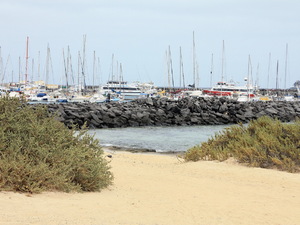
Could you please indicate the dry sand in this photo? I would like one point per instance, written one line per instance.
(154, 189)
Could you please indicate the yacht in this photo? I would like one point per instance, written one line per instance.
(122, 88)
(230, 90)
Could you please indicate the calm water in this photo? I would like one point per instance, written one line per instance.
(161, 139)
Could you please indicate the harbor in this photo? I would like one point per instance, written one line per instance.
(149, 112)
(39, 92)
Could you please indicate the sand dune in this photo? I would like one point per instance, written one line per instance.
(154, 189)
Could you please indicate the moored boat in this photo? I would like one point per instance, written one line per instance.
(231, 90)
(122, 88)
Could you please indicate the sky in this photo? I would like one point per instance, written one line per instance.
(233, 39)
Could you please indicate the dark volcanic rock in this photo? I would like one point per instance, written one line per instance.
(164, 112)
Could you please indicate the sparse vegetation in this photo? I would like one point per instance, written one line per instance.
(265, 142)
(38, 153)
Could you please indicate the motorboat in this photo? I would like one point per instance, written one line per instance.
(122, 88)
(230, 90)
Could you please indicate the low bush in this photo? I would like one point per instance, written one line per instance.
(38, 153)
(265, 142)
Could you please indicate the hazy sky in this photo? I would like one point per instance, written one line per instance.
(139, 33)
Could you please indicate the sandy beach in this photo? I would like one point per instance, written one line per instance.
(153, 189)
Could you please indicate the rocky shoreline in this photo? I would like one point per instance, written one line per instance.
(166, 112)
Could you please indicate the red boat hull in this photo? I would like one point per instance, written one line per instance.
(222, 93)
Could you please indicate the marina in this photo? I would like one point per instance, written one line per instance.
(149, 112)
(39, 92)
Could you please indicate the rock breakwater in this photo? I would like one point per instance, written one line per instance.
(165, 112)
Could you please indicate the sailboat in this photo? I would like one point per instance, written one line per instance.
(195, 92)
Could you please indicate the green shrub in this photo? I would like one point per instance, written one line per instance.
(38, 153)
(265, 142)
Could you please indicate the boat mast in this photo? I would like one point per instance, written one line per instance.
(269, 68)
(1, 65)
(121, 76)
(83, 64)
(19, 70)
(257, 78)
(112, 68)
(168, 67)
(223, 57)
(180, 63)
(94, 70)
(286, 64)
(277, 75)
(171, 67)
(4, 72)
(211, 69)
(66, 71)
(47, 63)
(12, 76)
(99, 71)
(183, 79)
(70, 65)
(32, 69)
(197, 75)
(248, 77)
(117, 72)
(194, 61)
(78, 73)
(26, 68)
(39, 65)
(222, 72)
